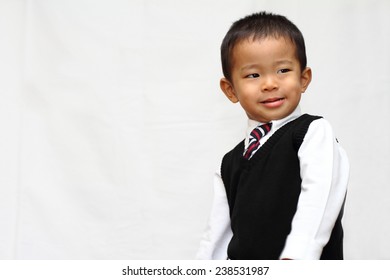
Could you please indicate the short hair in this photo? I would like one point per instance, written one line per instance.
(258, 26)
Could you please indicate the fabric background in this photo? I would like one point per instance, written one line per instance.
(112, 121)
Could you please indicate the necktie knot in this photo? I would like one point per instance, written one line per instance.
(254, 139)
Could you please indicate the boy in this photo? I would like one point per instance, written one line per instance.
(280, 192)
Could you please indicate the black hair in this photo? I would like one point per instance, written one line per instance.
(259, 26)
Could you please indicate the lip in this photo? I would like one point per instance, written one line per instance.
(273, 102)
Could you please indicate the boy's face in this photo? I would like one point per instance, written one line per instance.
(266, 78)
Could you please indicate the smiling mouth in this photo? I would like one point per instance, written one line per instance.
(271, 100)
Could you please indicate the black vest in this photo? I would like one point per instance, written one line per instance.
(263, 194)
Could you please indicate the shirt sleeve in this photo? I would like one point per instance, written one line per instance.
(218, 233)
(324, 172)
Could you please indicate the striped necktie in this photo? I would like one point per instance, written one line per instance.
(254, 139)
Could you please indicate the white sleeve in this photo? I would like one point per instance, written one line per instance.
(324, 172)
(216, 238)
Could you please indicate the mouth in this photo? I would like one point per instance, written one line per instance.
(273, 102)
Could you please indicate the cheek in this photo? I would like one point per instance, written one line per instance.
(250, 88)
(293, 85)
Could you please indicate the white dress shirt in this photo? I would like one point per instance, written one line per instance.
(324, 171)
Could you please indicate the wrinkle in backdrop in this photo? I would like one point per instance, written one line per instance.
(113, 122)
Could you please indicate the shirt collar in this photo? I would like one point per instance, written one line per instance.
(276, 124)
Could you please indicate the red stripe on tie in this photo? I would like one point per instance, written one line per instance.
(251, 149)
(258, 136)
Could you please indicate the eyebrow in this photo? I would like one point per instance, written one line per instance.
(283, 61)
(276, 63)
(249, 66)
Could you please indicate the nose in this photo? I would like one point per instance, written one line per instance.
(269, 83)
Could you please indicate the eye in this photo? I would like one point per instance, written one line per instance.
(283, 71)
(254, 75)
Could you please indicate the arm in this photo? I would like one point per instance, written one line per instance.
(218, 232)
(324, 172)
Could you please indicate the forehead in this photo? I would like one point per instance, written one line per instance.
(263, 49)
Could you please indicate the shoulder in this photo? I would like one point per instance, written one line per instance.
(238, 149)
(301, 127)
(320, 141)
(232, 157)
(320, 128)
(320, 135)
(301, 124)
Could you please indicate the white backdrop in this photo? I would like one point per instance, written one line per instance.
(112, 122)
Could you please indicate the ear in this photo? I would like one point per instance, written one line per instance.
(228, 90)
(305, 78)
